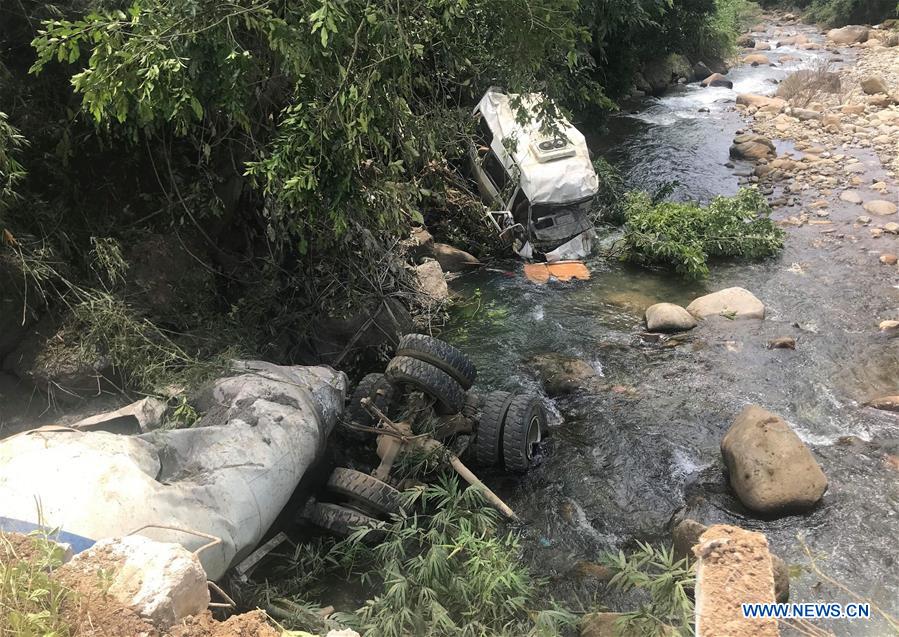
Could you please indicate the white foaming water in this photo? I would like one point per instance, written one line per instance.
(684, 465)
(684, 103)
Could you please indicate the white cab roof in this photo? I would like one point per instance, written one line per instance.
(544, 179)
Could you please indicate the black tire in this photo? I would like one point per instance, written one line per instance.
(375, 387)
(365, 489)
(341, 520)
(523, 429)
(422, 376)
(488, 442)
(441, 355)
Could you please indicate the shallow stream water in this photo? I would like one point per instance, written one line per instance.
(620, 465)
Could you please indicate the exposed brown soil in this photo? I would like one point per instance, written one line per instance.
(253, 624)
(92, 613)
(17, 546)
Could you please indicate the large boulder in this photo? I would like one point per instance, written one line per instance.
(561, 374)
(752, 147)
(848, 35)
(431, 282)
(420, 243)
(453, 259)
(668, 317)
(793, 40)
(717, 80)
(734, 303)
(885, 403)
(770, 468)
(162, 582)
(760, 101)
(701, 71)
(874, 84)
(662, 72)
(757, 59)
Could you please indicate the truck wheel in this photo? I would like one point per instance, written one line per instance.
(341, 520)
(422, 376)
(375, 387)
(441, 355)
(490, 429)
(365, 489)
(523, 430)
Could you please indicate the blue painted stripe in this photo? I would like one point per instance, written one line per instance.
(77, 542)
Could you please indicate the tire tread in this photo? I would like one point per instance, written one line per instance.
(441, 355)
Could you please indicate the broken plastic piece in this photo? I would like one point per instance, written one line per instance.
(561, 271)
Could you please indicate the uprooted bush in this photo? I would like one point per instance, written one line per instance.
(686, 236)
(442, 569)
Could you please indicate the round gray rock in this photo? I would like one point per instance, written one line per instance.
(735, 303)
(668, 317)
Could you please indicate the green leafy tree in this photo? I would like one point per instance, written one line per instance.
(337, 107)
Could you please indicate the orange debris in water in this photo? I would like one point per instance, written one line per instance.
(560, 271)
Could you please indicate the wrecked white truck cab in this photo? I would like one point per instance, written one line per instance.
(538, 188)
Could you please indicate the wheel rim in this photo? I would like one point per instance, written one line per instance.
(535, 435)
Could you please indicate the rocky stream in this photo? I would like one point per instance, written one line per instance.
(639, 420)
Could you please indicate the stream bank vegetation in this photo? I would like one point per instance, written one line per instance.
(837, 13)
(440, 567)
(277, 154)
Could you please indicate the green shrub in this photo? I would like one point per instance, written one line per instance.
(836, 13)
(664, 579)
(687, 235)
(442, 569)
(717, 36)
(841, 12)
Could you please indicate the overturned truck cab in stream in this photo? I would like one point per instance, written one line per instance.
(535, 177)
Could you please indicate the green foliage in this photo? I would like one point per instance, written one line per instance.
(717, 37)
(608, 206)
(11, 171)
(349, 99)
(442, 569)
(836, 13)
(687, 235)
(841, 12)
(665, 580)
(101, 325)
(31, 600)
